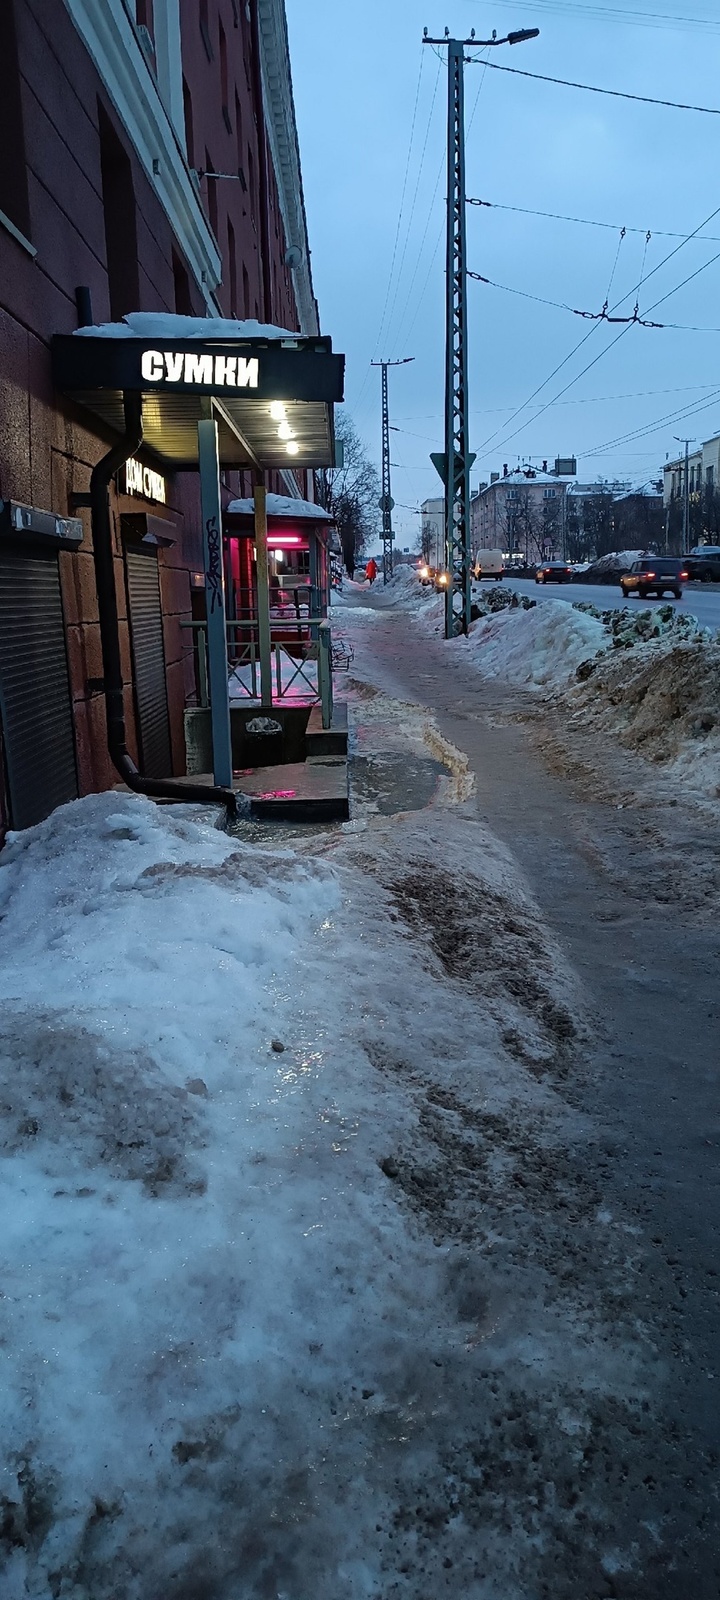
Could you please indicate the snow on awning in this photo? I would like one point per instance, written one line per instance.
(271, 391)
(280, 505)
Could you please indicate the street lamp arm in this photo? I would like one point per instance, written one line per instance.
(518, 37)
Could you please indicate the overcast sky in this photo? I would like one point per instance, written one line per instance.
(371, 107)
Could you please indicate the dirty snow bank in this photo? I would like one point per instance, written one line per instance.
(662, 699)
(542, 646)
(270, 1316)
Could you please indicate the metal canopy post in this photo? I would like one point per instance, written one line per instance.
(263, 594)
(209, 465)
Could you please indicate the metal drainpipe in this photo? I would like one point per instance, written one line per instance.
(158, 788)
(263, 184)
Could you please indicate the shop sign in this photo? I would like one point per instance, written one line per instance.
(208, 371)
(144, 481)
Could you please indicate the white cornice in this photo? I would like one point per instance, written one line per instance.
(284, 149)
(110, 39)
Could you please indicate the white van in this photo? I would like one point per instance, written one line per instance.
(488, 564)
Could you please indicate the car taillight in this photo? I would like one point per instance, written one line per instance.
(683, 575)
(650, 574)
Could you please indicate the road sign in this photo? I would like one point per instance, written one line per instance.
(386, 503)
(438, 460)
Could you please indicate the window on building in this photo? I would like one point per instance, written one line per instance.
(246, 292)
(205, 29)
(120, 221)
(232, 269)
(13, 169)
(211, 194)
(189, 129)
(251, 184)
(246, 39)
(144, 16)
(224, 92)
(239, 141)
(709, 477)
(549, 494)
(183, 297)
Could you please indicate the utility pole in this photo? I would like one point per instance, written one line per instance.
(686, 496)
(386, 501)
(454, 464)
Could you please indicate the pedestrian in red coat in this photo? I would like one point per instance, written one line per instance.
(371, 570)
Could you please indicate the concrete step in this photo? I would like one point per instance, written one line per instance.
(301, 791)
(332, 741)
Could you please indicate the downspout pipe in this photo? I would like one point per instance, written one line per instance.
(155, 788)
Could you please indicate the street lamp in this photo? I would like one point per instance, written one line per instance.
(454, 464)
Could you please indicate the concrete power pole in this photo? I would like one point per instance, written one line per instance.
(454, 464)
(686, 496)
(386, 502)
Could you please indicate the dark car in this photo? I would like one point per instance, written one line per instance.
(655, 575)
(703, 563)
(554, 572)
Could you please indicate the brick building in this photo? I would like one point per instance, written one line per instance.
(112, 117)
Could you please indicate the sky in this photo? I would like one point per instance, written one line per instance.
(371, 107)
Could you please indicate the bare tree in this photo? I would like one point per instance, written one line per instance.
(350, 493)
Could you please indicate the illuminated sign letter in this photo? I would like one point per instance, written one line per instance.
(199, 369)
(247, 373)
(174, 366)
(225, 371)
(151, 366)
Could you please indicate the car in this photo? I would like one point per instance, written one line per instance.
(703, 563)
(655, 575)
(426, 574)
(488, 564)
(554, 572)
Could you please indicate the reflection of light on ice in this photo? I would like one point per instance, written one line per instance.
(298, 679)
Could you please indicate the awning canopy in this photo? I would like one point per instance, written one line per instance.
(272, 397)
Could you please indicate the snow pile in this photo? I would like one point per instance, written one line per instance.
(629, 628)
(169, 325)
(542, 646)
(663, 700)
(281, 505)
(610, 566)
(486, 602)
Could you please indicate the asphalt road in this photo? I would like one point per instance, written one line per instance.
(702, 601)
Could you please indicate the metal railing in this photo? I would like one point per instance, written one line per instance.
(292, 681)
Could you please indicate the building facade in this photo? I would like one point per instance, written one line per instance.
(521, 513)
(114, 118)
(703, 472)
(432, 531)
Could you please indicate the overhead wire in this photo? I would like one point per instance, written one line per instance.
(402, 204)
(595, 13)
(591, 88)
(588, 222)
(654, 427)
(669, 257)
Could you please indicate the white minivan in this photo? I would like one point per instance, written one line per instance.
(488, 564)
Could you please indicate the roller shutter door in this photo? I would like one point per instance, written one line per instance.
(146, 632)
(35, 705)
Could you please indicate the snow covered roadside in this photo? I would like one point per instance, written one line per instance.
(272, 1318)
(542, 646)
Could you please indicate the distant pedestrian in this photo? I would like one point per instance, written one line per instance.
(371, 570)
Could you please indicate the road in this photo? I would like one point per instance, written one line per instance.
(628, 886)
(702, 602)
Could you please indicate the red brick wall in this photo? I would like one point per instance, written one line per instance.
(47, 445)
